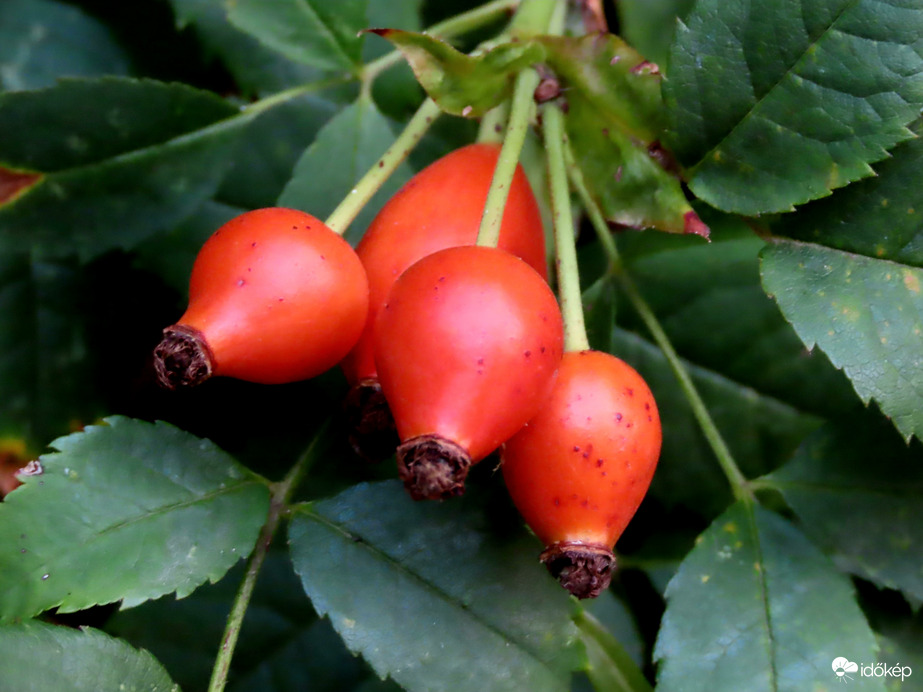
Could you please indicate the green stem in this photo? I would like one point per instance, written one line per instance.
(533, 17)
(515, 137)
(370, 183)
(454, 26)
(493, 123)
(280, 496)
(575, 337)
(725, 459)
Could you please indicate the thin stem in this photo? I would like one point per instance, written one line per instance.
(575, 337)
(265, 104)
(493, 123)
(516, 129)
(454, 26)
(280, 496)
(712, 435)
(370, 183)
(533, 17)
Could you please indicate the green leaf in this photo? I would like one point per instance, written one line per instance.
(343, 151)
(755, 606)
(431, 596)
(256, 68)
(866, 314)
(611, 668)
(130, 511)
(42, 40)
(649, 25)
(709, 301)
(599, 312)
(275, 142)
(765, 392)
(901, 640)
(615, 120)
(117, 160)
(46, 384)
(880, 217)
(319, 33)
(775, 103)
(171, 255)
(869, 516)
(38, 658)
(463, 84)
(760, 431)
(282, 646)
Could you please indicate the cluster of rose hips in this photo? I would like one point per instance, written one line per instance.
(459, 347)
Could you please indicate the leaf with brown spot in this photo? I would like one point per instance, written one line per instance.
(15, 183)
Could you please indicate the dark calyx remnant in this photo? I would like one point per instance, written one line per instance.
(371, 430)
(584, 570)
(182, 358)
(432, 467)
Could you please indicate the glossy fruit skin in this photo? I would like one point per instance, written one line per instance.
(578, 470)
(467, 347)
(441, 207)
(277, 296)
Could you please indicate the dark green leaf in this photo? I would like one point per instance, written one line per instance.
(127, 511)
(42, 40)
(901, 640)
(866, 314)
(47, 387)
(756, 607)
(256, 68)
(599, 312)
(649, 25)
(171, 256)
(463, 84)
(611, 668)
(615, 120)
(80, 122)
(760, 431)
(710, 302)
(881, 217)
(776, 103)
(431, 596)
(319, 33)
(858, 490)
(275, 141)
(344, 150)
(39, 658)
(118, 160)
(394, 14)
(282, 645)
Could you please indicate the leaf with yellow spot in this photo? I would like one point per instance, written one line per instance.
(868, 515)
(774, 104)
(766, 614)
(866, 315)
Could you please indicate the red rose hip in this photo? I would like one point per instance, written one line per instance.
(275, 296)
(467, 347)
(578, 470)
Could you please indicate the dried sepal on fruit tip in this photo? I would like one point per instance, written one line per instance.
(182, 358)
(372, 433)
(584, 570)
(432, 467)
